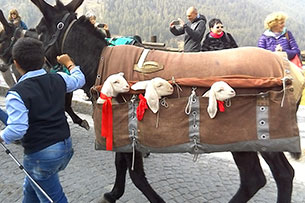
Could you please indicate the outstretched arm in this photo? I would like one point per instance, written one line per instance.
(176, 31)
(77, 79)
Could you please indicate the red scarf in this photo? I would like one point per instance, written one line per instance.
(221, 107)
(142, 107)
(215, 35)
(107, 121)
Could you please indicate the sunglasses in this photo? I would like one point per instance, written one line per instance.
(218, 27)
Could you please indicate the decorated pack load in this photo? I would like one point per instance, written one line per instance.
(242, 99)
(131, 40)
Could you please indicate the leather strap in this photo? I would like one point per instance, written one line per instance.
(142, 58)
(98, 80)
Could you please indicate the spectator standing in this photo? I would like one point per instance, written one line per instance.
(15, 18)
(101, 26)
(276, 36)
(217, 39)
(193, 30)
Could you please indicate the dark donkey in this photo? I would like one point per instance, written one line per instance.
(86, 53)
(8, 37)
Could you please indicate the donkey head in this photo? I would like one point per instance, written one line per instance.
(52, 26)
(61, 32)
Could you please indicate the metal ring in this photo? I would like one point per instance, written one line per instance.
(263, 136)
(60, 25)
(194, 137)
(194, 99)
(262, 108)
(262, 122)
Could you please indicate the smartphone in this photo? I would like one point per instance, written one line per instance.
(176, 22)
(101, 25)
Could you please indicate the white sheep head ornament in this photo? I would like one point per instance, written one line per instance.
(219, 91)
(114, 85)
(154, 90)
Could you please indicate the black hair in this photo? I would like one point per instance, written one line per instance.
(28, 53)
(214, 21)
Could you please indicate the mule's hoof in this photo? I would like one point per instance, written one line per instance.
(106, 199)
(85, 125)
(103, 200)
(146, 155)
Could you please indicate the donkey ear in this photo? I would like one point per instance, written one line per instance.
(73, 5)
(3, 20)
(44, 7)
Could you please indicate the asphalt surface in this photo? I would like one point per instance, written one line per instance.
(213, 178)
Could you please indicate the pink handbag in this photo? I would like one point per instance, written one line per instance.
(296, 60)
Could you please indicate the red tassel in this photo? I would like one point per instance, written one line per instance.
(142, 107)
(107, 124)
(221, 106)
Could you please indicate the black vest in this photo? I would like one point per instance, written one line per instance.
(44, 97)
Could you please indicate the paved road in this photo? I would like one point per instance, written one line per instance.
(213, 178)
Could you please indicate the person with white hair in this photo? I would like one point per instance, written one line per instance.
(278, 38)
(101, 26)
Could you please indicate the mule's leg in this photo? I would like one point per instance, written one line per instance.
(8, 77)
(75, 118)
(282, 172)
(15, 72)
(139, 179)
(252, 177)
(119, 185)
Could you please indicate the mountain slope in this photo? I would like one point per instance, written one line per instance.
(243, 18)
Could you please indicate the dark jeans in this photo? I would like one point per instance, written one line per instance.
(43, 166)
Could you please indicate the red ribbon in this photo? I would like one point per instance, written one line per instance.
(107, 121)
(142, 107)
(221, 107)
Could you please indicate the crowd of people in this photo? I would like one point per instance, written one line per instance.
(276, 37)
(30, 115)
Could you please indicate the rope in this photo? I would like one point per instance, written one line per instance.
(157, 119)
(195, 158)
(177, 86)
(133, 152)
(284, 89)
(191, 99)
